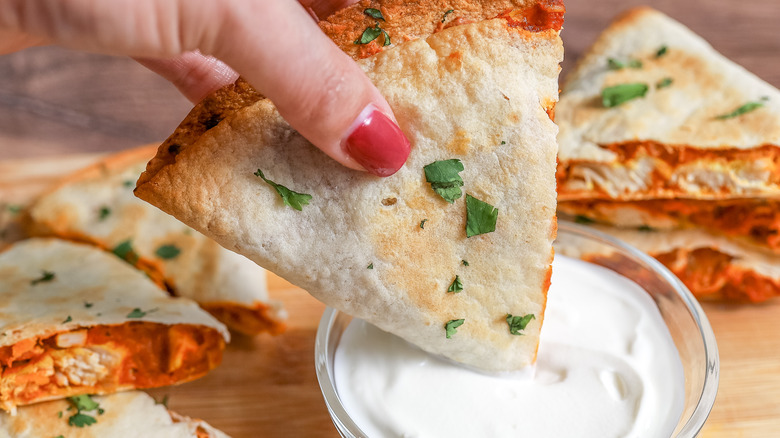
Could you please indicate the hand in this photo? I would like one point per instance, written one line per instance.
(275, 44)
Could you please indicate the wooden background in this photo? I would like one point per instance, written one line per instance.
(56, 102)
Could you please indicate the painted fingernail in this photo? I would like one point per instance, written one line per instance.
(376, 142)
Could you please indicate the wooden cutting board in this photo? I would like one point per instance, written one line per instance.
(266, 386)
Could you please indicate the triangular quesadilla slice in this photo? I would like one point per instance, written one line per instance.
(96, 205)
(755, 221)
(78, 320)
(653, 111)
(713, 267)
(474, 101)
(125, 415)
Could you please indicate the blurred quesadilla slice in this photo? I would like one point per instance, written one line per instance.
(96, 205)
(124, 415)
(652, 111)
(398, 20)
(713, 267)
(77, 320)
(474, 100)
(755, 221)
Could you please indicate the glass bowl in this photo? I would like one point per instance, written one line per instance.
(684, 318)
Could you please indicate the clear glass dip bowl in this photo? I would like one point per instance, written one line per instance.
(684, 317)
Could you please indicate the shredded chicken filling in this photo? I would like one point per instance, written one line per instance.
(104, 359)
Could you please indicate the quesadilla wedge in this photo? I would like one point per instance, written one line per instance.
(755, 221)
(96, 205)
(393, 251)
(652, 111)
(713, 267)
(124, 415)
(78, 320)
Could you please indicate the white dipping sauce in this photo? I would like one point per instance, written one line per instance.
(607, 367)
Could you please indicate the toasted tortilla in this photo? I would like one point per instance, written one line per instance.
(713, 267)
(124, 415)
(755, 221)
(78, 320)
(676, 141)
(479, 93)
(96, 205)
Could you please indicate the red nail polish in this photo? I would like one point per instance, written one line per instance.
(377, 143)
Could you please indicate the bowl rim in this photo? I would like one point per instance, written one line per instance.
(343, 421)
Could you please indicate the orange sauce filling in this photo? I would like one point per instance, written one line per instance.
(143, 355)
(546, 14)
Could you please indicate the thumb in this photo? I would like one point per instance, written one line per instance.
(316, 87)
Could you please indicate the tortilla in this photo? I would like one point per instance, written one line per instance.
(387, 250)
(706, 128)
(78, 320)
(124, 415)
(96, 205)
(755, 221)
(713, 267)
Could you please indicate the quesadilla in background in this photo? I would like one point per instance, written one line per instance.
(755, 221)
(77, 320)
(125, 415)
(474, 100)
(713, 267)
(96, 205)
(654, 112)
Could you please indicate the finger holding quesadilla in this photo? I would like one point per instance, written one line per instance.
(96, 205)
(77, 320)
(124, 415)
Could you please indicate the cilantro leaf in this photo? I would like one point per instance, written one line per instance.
(46, 276)
(518, 323)
(83, 402)
(746, 108)
(67, 320)
(291, 199)
(465, 263)
(481, 217)
(580, 219)
(164, 401)
(13, 208)
(128, 183)
(661, 51)
(614, 64)
(456, 285)
(81, 420)
(663, 83)
(167, 252)
(126, 252)
(444, 179)
(374, 13)
(104, 213)
(452, 325)
(370, 266)
(138, 313)
(645, 228)
(444, 17)
(60, 436)
(87, 304)
(422, 223)
(619, 94)
(372, 33)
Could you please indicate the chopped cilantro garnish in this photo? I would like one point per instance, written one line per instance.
(503, 142)
(370, 266)
(67, 320)
(125, 252)
(580, 219)
(452, 325)
(138, 313)
(746, 108)
(87, 304)
(83, 402)
(481, 217)
(374, 13)
(645, 228)
(128, 183)
(614, 64)
(13, 208)
(104, 213)
(164, 401)
(60, 436)
(663, 83)
(518, 323)
(661, 51)
(46, 276)
(619, 94)
(290, 198)
(167, 252)
(456, 285)
(59, 415)
(422, 223)
(448, 12)
(465, 263)
(372, 33)
(444, 179)
(80, 420)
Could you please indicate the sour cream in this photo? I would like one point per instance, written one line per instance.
(606, 367)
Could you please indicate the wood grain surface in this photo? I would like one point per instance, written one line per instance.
(71, 105)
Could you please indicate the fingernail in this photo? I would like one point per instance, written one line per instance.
(376, 142)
